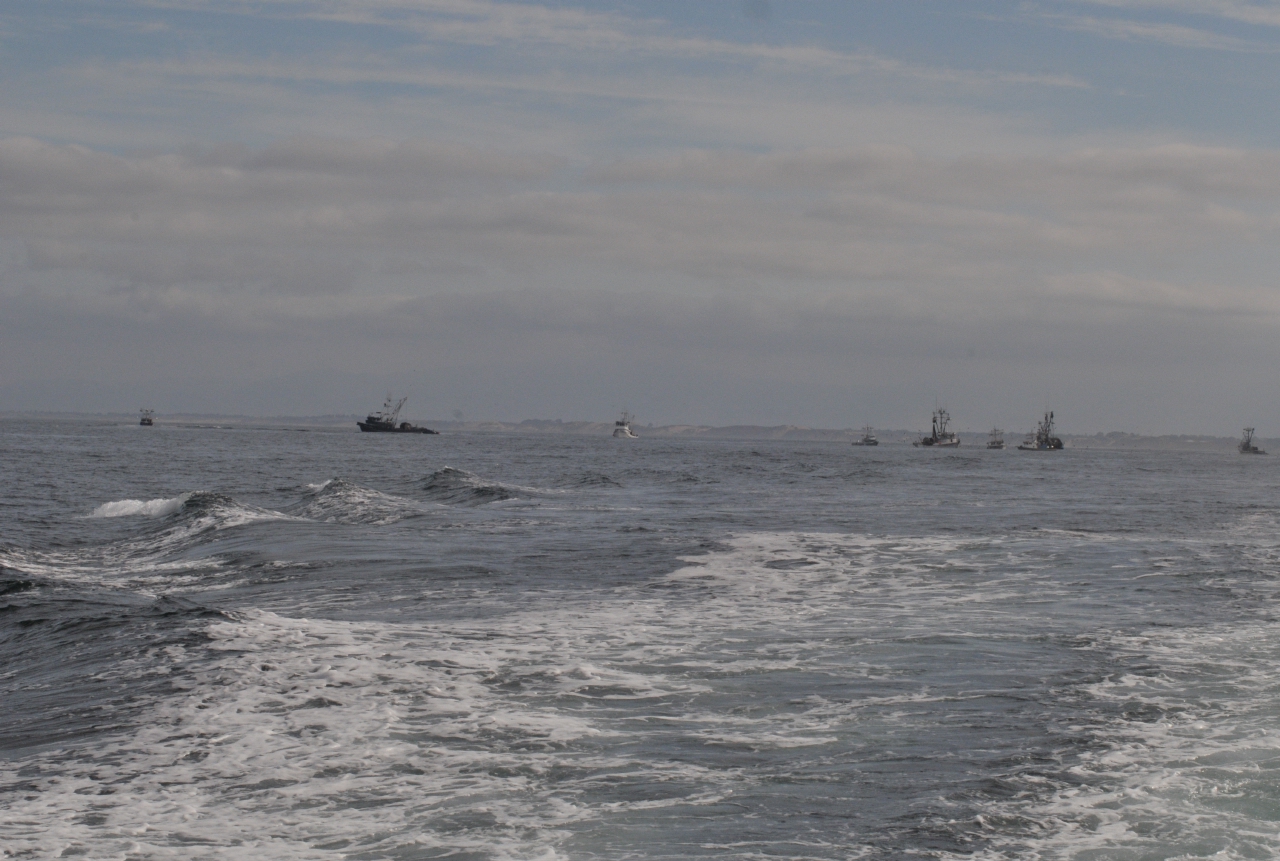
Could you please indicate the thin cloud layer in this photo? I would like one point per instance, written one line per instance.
(1258, 12)
(1163, 33)
(876, 223)
(806, 213)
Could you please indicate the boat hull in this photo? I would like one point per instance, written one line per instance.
(619, 433)
(374, 427)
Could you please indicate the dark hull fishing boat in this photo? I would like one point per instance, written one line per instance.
(386, 420)
(1043, 438)
(1246, 443)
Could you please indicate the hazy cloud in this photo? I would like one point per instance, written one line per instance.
(1164, 33)
(520, 209)
(378, 222)
(1260, 12)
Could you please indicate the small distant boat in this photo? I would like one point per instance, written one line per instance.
(939, 437)
(996, 438)
(386, 420)
(1042, 439)
(622, 427)
(1246, 443)
(868, 437)
(148, 418)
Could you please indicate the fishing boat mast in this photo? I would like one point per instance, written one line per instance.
(1246, 443)
(391, 408)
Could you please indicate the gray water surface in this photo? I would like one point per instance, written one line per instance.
(238, 642)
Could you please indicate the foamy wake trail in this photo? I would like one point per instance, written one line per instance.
(1186, 761)
(139, 508)
(304, 739)
(521, 734)
(504, 738)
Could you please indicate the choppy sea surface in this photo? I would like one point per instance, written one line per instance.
(275, 644)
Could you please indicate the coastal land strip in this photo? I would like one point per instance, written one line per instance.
(798, 433)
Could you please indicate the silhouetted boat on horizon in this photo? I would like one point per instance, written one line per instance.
(386, 420)
(1246, 443)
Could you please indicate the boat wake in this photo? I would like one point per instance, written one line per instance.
(540, 729)
(301, 737)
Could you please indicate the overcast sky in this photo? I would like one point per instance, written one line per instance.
(729, 211)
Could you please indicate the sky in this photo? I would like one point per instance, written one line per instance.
(829, 214)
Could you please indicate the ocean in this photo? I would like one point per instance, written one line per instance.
(237, 642)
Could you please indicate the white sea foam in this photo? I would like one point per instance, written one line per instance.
(1186, 756)
(515, 735)
(497, 738)
(305, 736)
(139, 508)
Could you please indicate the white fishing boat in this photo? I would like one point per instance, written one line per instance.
(995, 439)
(939, 436)
(148, 418)
(622, 427)
(868, 437)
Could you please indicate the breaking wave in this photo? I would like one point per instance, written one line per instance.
(340, 501)
(162, 556)
(137, 507)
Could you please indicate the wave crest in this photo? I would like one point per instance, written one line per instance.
(340, 501)
(140, 508)
(459, 487)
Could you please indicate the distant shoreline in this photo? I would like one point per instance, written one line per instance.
(1116, 440)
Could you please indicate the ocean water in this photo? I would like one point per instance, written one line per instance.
(275, 644)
